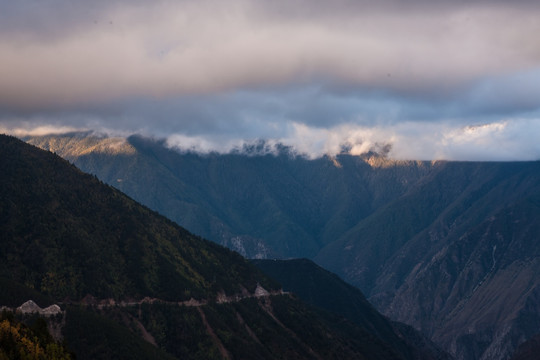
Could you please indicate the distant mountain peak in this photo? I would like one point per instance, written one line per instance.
(82, 143)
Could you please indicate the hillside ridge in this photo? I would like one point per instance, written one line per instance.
(65, 234)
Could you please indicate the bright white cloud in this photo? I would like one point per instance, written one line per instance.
(506, 140)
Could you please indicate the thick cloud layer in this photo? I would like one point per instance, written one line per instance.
(422, 75)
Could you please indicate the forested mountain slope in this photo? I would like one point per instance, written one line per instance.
(64, 233)
(260, 205)
(447, 247)
(134, 285)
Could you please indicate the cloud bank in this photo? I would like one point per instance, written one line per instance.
(457, 80)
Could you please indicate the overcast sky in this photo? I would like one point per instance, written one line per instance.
(436, 79)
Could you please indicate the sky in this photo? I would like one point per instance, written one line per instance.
(456, 80)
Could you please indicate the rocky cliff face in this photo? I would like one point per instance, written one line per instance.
(479, 296)
(457, 258)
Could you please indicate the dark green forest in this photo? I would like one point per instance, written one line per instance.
(135, 285)
(66, 234)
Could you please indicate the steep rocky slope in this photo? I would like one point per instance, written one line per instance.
(321, 288)
(485, 282)
(456, 257)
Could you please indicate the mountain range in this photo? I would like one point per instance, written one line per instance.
(259, 204)
(132, 284)
(449, 248)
